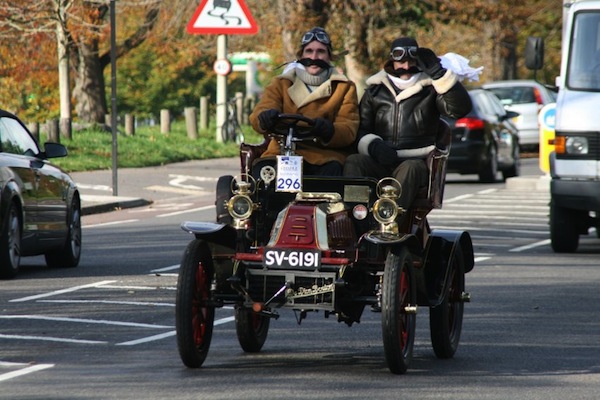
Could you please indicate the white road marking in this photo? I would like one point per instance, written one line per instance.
(23, 371)
(103, 188)
(61, 291)
(85, 321)
(169, 268)
(186, 211)
(51, 339)
(170, 189)
(125, 303)
(479, 259)
(125, 221)
(531, 246)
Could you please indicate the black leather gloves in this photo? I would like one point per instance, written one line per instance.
(268, 119)
(430, 63)
(383, 153)
(323, 128)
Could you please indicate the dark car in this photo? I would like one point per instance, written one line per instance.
(40, 208)
(485, 141)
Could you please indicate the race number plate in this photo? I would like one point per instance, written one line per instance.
(289, 174)
(292, 258)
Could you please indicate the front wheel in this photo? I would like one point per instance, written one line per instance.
(564, 235)
(398, 310)
(10, 243)
(194, 313)
(445, 320)
(251, 328)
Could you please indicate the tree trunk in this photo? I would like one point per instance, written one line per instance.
(89, 92)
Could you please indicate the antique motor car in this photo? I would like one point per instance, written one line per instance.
(40, 208)
(329, 244)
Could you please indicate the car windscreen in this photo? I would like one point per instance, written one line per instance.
(515, 94)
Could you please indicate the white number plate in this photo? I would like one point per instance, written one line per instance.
(289, 174)
(291, 258)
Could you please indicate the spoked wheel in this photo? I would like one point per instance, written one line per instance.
(194, 314)
(398, 310)
(251, 328)
(445, 320)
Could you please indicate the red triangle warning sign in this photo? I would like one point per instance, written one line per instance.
(222, 17)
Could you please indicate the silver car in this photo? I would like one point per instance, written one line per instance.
(526, 97)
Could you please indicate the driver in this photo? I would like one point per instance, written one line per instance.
(311, 86)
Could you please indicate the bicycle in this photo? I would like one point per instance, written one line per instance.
(231, 129)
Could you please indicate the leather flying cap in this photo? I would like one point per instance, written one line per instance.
(404, 42)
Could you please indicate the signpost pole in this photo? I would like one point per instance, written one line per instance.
(221, 87)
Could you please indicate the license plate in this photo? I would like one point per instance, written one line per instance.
(291, 258)
(289, 174)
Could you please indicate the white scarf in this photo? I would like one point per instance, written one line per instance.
(403, 84)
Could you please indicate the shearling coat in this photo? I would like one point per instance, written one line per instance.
(336, 99)
(408, 120)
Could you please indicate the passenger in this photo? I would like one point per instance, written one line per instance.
(312, 87)
(399, 117)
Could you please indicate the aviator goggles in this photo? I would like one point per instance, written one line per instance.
(321, 36)
(400, 53)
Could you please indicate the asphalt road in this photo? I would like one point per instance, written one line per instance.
(105, 330)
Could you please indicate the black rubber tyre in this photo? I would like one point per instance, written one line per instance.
(515, 169)
(194, 313)
(398, 323)
(228, 132)
(223, 195)
(68, 256)
(10, 243)
(489, 170)
(564, 236)
(251, 328)
(445, 320)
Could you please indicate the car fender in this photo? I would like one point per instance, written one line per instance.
(213, 232)
(10, 192)
(440, 251)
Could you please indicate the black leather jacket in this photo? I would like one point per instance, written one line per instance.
(409, 119)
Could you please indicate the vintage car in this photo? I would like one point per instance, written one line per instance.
(329, 244)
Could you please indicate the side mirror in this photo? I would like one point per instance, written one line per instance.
(534, 53)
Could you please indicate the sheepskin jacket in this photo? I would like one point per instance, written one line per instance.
(336, 99)
(408, 119)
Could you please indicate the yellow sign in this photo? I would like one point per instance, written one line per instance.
(546, 119)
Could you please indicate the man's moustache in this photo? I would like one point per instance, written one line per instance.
(403, 71)
(319, 63)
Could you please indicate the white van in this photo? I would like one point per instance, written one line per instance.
(575, 163)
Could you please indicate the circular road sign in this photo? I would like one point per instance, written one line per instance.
(222, 67)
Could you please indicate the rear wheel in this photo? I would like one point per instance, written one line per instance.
(515, 169)
(564, 235)
(228, 131)
(194, 313)
(445, 320)
(68, 256)
(489, 170)
(251, 328)
(10, 243)
(398, 309)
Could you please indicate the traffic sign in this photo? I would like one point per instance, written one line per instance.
(222, 17)
(222, 67)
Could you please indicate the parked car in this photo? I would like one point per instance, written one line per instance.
(527, 97)
(485, 141)
(40, 207)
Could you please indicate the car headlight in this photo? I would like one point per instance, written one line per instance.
(385, 210)
(240, 206)
(576, 145)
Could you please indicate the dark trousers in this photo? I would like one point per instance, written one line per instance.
(412, 174)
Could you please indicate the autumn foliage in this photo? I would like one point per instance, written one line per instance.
(161, 66)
